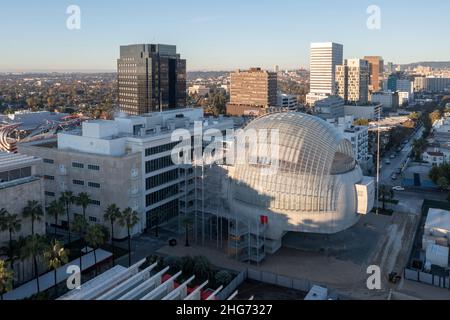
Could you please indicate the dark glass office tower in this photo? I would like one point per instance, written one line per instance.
(151, 77)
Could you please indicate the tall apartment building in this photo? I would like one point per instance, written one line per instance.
(376, 70)
(126, 161)
(352, 81)
(323, 61)
(151, 78)
(252, 92)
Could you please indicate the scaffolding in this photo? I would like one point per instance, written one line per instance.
(206, 190)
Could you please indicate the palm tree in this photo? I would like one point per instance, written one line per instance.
(384, 193)
(83, 200)
(56, 256)
(55, 210)
(419, 147)
(79, 226)
(6, 279)
(67, 198)
(187, 223)
(129, 218)
(36, 245)
(112, 213)
(22, 253)
(95, 237)
(34, 211)
(12, 224)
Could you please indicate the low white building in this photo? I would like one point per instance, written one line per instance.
(389, 100)
(199, 90)
(331, 107)
(288, 101)
(358, 136)
(370, 112)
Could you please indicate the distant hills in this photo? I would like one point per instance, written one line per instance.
(432, 64)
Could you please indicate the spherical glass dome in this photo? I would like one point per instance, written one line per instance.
(316, 171)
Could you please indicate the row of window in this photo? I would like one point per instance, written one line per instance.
(162, 214)
(12, 175)
(77, 165)
(158, 164)
(160, 149)
(92, 202)
(161, 179)
(90, 184)
(161, 195)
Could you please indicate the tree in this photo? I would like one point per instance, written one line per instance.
(34, 211)
(112, 214)
(361, 122)
(35, 246)
(414, 116)
(442, 183)
(129, 218)
(223, 278)
(186, 222)
(67, 198)
(83, 200)
(95, 237)
(12, 224)
(55, 210)
(6, 279)
(56, 256)
(419, 146)
(435, 116)
(80, 226)
(202, 267)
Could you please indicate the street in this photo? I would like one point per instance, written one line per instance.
(387, 170)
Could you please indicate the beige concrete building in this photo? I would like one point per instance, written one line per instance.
(252, 92)
(20, 182)
(108, 180)
(126, 161)
(352, 80)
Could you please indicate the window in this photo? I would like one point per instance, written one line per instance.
(161, 195)
(49, 161)
(162, 214)
(77, 165)
(94, 167)
(78, 182)
(52, 178)
(49, 194)
(94, 185)
(163, 178)
(95, 202)
(160, 149)
(93, 219)
(158, 164)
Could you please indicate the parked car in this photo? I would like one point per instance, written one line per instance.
(388, 162)
(392, 156)
(398, 188)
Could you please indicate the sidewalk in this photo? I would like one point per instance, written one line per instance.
(47, 280)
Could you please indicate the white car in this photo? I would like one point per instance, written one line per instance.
(398, 188)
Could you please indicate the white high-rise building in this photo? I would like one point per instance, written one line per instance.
(323, 61)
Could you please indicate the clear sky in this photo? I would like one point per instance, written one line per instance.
(218, 34)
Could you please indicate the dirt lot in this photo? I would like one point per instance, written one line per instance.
(339, 262)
